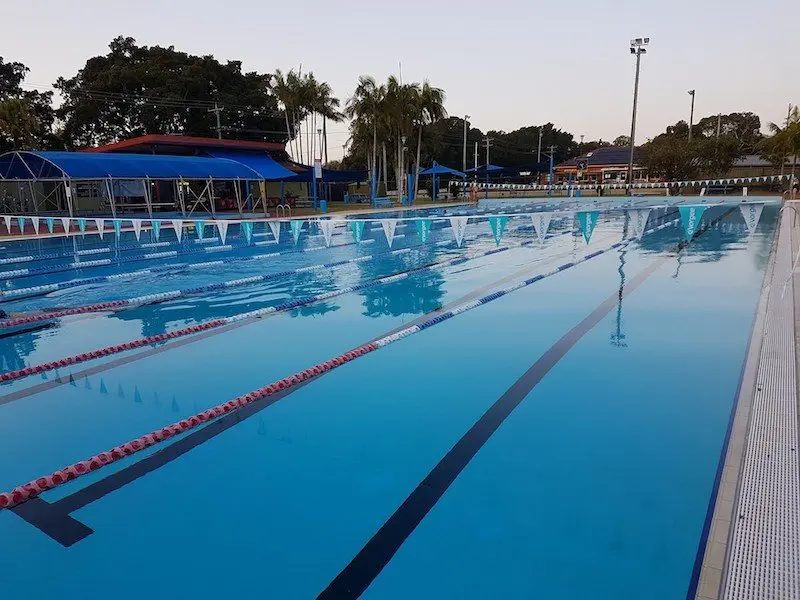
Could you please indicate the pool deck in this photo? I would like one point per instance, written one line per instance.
(752, 539)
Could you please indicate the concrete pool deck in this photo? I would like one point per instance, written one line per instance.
(752, 538)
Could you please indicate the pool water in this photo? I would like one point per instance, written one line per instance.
(558, 441)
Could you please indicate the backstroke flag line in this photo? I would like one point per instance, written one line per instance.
(498, 225)
(50, 224)
(65, 224)
(247, 230)
(100, 224)
(389, 225)
(752, 215)
(423, 229)
(156, 229)
(35, 221)
(199, 227)
(639, 221)
(587, 222)
(690, 217)
(7, 219)
(541, 223)
(459, 225)
(177, 225)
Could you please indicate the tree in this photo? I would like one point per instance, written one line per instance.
(363, 108)
(27, 115)
(429, 108)
(622, 140)
(136, 90)
(744, 127)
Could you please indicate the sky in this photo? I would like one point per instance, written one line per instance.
(506, 63)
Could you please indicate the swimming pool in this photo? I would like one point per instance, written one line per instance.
(502, 418)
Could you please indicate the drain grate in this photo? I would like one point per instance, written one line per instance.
(763, 560)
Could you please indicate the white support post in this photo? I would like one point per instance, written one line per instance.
(238, 191)
(110, 189)
(147, 196)
(68, 194)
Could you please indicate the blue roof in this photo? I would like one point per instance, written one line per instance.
(438, 169)
(262, 164)
(82, 165)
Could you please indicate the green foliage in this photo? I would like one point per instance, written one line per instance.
(26, 116)
(136, 90)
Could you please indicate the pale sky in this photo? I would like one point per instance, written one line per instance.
(507, 63)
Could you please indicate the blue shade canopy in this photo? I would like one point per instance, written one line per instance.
(485, 168)
(82, 165)
(262, 164)
(438, 169)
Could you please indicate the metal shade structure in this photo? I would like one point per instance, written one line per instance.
(436, 170)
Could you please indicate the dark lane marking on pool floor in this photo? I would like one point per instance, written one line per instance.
(359, 574)
(53, 519)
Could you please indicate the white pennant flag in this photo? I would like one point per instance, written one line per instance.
(35, 221)
(327, 230)
(541, 223)
(101, 226)
(275, 228)
(223, 229)
(177, 225)
(389, 225)
(137, 227)
(7, 219)
(459, 225)
(65, 224)
(639, 221)
(752, 215)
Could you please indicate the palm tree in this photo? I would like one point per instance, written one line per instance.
(785, 140)
(399, 110)
(429, 109)
(364, 108)
(327, 106)
(285, 94)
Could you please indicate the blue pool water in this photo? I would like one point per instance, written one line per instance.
(595, 485)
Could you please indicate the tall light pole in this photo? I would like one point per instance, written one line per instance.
(637, 48)
(539, 151)
(691, 115)
(464, 157)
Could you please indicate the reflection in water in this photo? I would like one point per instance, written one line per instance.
(618, 336)
(679, 262)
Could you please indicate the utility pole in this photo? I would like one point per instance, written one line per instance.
(539, 151)
(691, 115)
(216, 110)
(637, 48)
(551, 153)
(488, 142)
(464, 157)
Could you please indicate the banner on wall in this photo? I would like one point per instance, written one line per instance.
(137, 228)
(498, 225)
(326, 226)
(389, 226)
(358, 230)
(222, 227)
(100, 224)
(587, 222)
(177, 225)
(247, 230)
(156, 228)
(752, 215)
(639, 221)
(275, 228)
(423, 229)
(459, 225)
(690, 217)
(296, 226)
(541, 223)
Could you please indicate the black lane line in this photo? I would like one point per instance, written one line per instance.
(61, 527)
(359, 574)
(376, 554)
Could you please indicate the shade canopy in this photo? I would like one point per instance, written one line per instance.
(82, 165)
(438, 169)
(484, 169)
(262, 164)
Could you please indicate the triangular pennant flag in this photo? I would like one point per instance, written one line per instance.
(541, 223)
(639, 221)
(103, 388)
(423, 229)
(752, 215)
(65, 223)
(275, 228)
(296, 225)
(51, 222)
(459, 225)
(137, 228)
(587, 222)
(120, 391)
(35, 221)
(137, 397)
(247, 229)
(690, 217)
(358, 229)
(175, 407)
(117, 227)
(498, 225)
(21, 224)
(177, 225)
(44, 374)
(327, 230)
(82, 226)
(101, 226)
(86, 383)
(7, 220)
(156, 228)
(389, 226)
(200, 228)
(58, 377)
